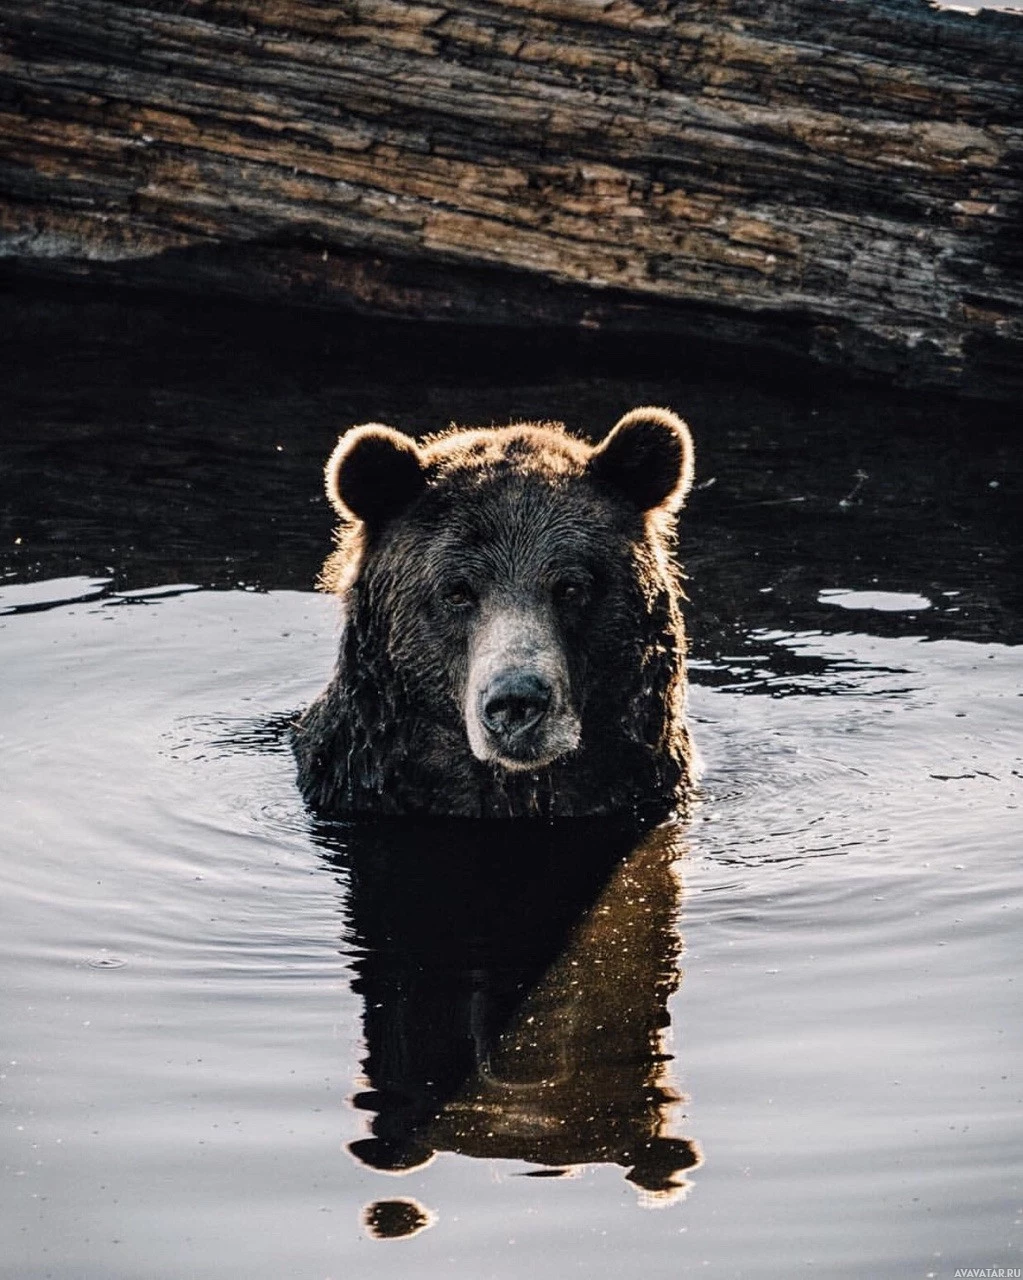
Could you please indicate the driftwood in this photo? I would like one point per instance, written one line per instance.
(840, 178)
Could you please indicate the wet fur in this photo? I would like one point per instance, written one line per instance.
(513, 507)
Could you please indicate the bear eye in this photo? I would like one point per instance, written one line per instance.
(570, 591)
(459, 595)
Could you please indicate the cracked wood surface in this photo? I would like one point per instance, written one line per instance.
(835, 178)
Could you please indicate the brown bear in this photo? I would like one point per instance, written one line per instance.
(512, 644)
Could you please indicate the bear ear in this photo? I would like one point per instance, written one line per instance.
(648, 456)
(373, 474)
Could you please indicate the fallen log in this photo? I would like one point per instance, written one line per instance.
(836, 178)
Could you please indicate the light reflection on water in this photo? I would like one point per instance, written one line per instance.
(186, 1044)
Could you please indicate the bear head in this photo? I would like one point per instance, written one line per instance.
(512, 640)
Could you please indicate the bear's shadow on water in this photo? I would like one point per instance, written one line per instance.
(515, 978)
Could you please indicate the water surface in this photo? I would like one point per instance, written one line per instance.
(782, 1038)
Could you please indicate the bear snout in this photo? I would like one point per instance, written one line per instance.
(513, 703)
(518, 704)
(522, 720)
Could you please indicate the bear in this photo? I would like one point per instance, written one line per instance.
(512, 642)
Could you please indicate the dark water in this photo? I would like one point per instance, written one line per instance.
(781, 1040)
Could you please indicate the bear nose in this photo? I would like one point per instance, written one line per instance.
(514, 702)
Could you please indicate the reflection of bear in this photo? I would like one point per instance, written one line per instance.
(515, 982)
(512, 644)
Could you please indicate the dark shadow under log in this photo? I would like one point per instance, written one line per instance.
(838, 180)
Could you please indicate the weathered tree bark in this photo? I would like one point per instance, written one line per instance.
(841, 178)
